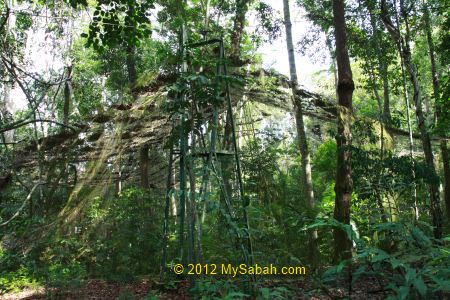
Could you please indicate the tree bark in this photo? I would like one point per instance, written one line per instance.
(238, 29)
(446, 161)
(303, 143)
(435, 79)
(344, 181)
(67, 95)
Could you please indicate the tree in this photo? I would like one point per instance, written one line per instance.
(346, 86)
(301, 134)
(241, 10)
(405, 53)
(436, 93)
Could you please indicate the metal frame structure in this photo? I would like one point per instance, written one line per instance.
(209, 155)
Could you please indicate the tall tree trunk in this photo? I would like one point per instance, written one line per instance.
(238, 29)
(435, 78)
(408, 120)
(379, 193)
(446, 160)
(118, 173)
(303, 144)
(435, 208)
(67, 95)
(346, 86)
(6, 105)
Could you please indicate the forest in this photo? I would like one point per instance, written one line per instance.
(224, 149)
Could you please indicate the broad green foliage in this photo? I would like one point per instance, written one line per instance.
(221, 289)
(224, 289)
(16, 280)
(324, 165)
(60, 275)
(121, 236)
(412, 265)
(118, 23)
(270, 23)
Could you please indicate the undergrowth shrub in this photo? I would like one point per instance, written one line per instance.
(62, 275)
(404, 257)
(15, 281)
(122, 235)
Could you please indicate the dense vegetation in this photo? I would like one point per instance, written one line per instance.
(137, 135)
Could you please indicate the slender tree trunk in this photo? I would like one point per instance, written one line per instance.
(183, 151)
(436, 213)
(303, 144)
(435, 208)
(446, 161)
(118, 172)
(168, 197)
(67, 95)
(411, 141)
(333, 68)
(382, 65)
(5, 105)
(435, 78)
(379, 193)
(346, 86)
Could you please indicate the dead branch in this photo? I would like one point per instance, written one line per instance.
(22, 206)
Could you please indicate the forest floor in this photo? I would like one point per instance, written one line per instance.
(368, 288)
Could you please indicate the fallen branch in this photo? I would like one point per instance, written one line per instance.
(23, 205)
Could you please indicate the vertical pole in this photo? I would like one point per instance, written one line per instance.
(166, 215)
(408, 119)
(236, 156)
(183, 148)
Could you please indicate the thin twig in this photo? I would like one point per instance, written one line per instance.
(23, 205)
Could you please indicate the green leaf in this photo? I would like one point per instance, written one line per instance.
(410, 275)
(265, 293)
(442, 285)
(420, 285)
(235, 295)
(402, 292)
(420, 237)
(380, 256)
(395, 263)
